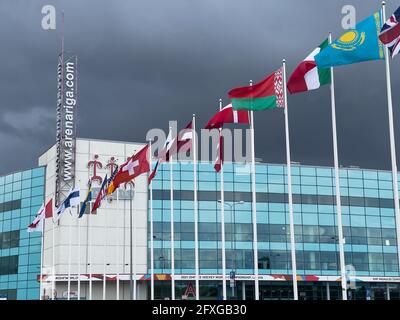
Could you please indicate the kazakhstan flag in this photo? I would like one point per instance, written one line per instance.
(356, 45)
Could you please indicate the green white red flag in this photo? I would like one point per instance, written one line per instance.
(307, 75)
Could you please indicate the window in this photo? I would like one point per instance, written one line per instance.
(8, 265)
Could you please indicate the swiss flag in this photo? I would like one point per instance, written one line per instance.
(135, 166)
(228, 115)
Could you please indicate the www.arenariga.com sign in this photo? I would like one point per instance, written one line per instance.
(66, 125)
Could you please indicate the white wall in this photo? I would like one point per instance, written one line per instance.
(109, 227)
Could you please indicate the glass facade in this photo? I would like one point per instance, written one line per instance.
(21, 195)
(367, 208)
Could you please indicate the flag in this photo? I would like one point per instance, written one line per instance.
(220, 153)
(110, 183)
(45, 211)
(356, 45)
(88, 198)
(153, 173)
(101, 195)
(390, 33)
(167, 149)
(72, 200)
(185, 138)
(135, 166)
(228, 115)
(307, 75)
(182, 144)
(267, 94)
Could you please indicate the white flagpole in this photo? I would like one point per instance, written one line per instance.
(171, 187)
(105, 256)
(90, 253)
(69, 255)
(392, 140)
(337, 187)
(118, 253)
(135, 241)
(42, 257)
(222, 220)
(79, 255)
(53, 283)
(196, 208)
(151, 232)
(290, 195)
(254, 206)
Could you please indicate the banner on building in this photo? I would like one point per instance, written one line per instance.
(66, 125)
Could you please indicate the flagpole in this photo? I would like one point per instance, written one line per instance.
(90, 252)
(69, 255)
(79, 255)
(42, 256)
(105, 257)
(171, 187)
(130, 241)
(337, 186)
(253, 205)
(222, 217)
(392, 141)
(290, 195)
(151, 231)
(118, 253)
(53, 284)
(134, 246)
(196, 208)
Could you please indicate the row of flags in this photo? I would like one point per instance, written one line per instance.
(364, 43)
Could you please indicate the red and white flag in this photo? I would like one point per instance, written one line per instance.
(135, 166)
(45, 211)
(228, 115)
(220, 153)
(185, 139)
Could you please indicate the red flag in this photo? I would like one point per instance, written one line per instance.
(185, 138)
(182, 144)
(228, 115)
(45, 211)
(48, 211)
(135, 166)
(153, 173)
(220, 153)
(101, 195)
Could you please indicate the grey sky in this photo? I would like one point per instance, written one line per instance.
(143, 63)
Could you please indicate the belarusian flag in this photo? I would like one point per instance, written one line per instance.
(307, 75)
(267, 94)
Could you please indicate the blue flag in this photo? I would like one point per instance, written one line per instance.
(356, 45)
(88, 198)
(72, 200)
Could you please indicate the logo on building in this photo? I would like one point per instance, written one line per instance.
(111, 165)
(95, 164)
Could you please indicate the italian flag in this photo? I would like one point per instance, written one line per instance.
(267, 94)
(307, 75)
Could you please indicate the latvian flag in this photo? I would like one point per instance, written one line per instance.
(390, 33)
(307, 75)
(220, 153)
(45, 211)
(228, 115)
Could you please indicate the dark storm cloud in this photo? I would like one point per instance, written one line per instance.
(143, 63)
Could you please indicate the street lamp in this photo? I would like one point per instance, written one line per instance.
(233, 239)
